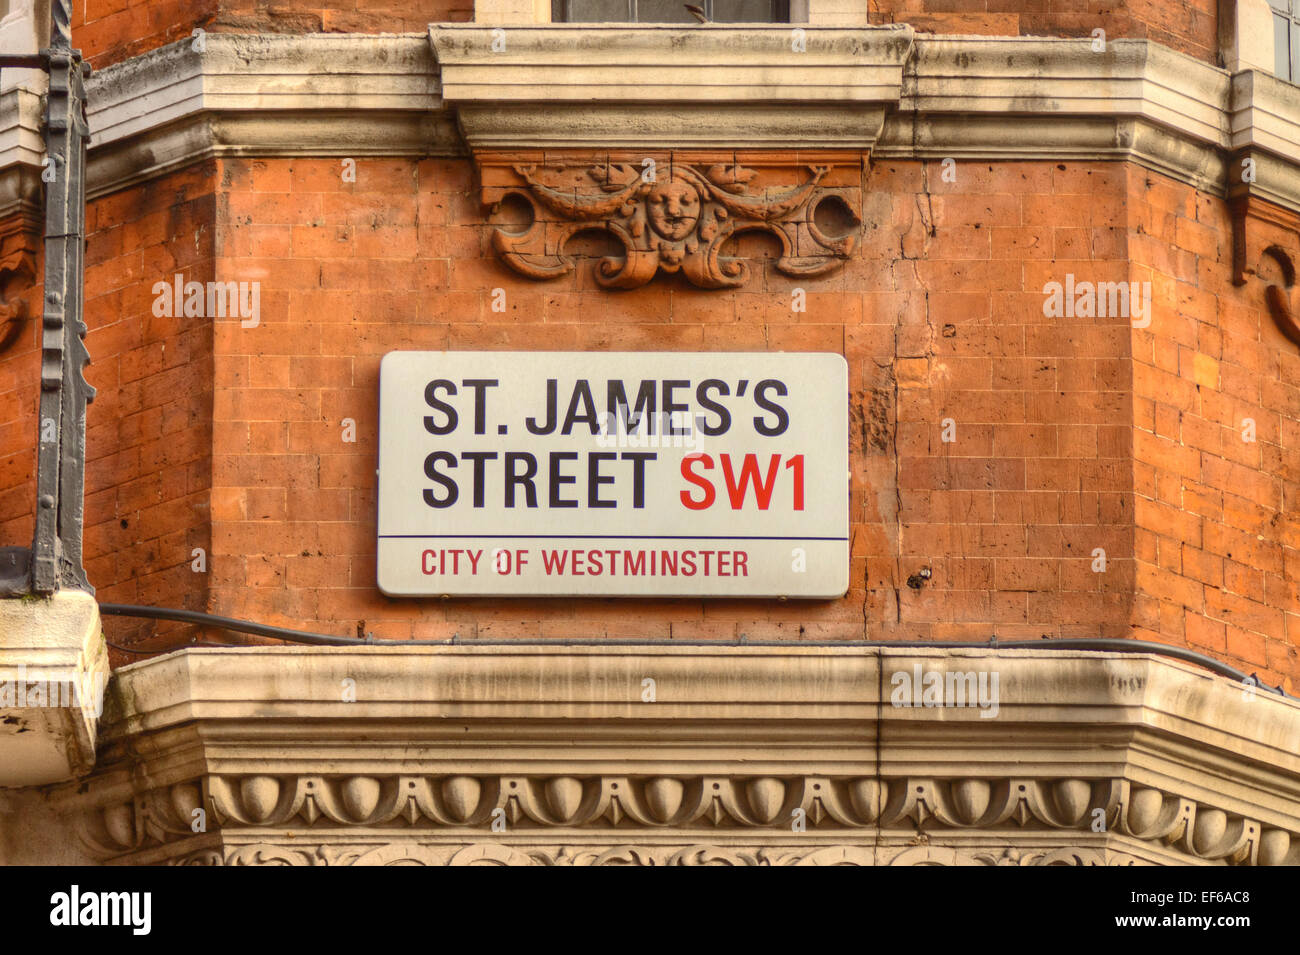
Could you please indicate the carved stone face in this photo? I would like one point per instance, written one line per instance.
(674, 208)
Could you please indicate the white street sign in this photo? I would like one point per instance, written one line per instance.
(613, 474)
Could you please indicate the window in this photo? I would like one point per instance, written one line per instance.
(1286, 39)
(673, 11)
(24, 28)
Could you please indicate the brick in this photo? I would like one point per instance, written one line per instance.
(1071, 434)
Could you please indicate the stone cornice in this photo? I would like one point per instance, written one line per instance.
(882, 90)
(1264, 128)
(1099, 758)
(620, 86)
(53, 668)
(20, 128)
(22, 148)
(261, 73)
(717, 64)
(1052, 99)
(265, 95)
(1030, 76)
(1265, 114)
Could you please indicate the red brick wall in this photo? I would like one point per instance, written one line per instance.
(111, 30)
(20, 372)
(341, 16)
(1007, 516)
(1189, 26)
(108, 31)
(1072, 434)
(1217, 520)
(149, 430)
(934, 325)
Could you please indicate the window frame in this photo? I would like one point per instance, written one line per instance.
(1286, 56)
(24, 28)
(781, 8)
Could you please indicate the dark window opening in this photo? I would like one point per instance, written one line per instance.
(669, 11)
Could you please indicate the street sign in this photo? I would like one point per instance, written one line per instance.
(613, 474)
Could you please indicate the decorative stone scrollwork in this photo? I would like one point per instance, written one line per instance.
(1279, 296)
(1266, 240)
(676, 216)
(17, 275)
(1201, 831)
(154, 817)
(261, 854)
(848, 809)
(656, 802)
(943, 856)
(401, 854)
(981, 804)
(494, 854)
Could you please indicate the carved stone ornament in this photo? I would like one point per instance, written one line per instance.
(672, 214)
(1266, 244)
(646, 855)
(774, 755)
(720, 820)
(18, 245)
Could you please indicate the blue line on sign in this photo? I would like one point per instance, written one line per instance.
(636, 537)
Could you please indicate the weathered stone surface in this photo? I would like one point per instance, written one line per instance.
(771, 756)
(53, 668)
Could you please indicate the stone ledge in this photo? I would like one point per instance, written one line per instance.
(1178, 765)
(1031, 76)
(53, 669)
(21, 141)
(718, 64)
(22, 148)
(877, 89)
(264, 95)
(1264, 127)
(261, 73)
(626, 86)
(1265, 114)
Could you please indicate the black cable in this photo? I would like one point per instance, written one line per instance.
(184, 646)
(247, 626)
(1112, 645)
